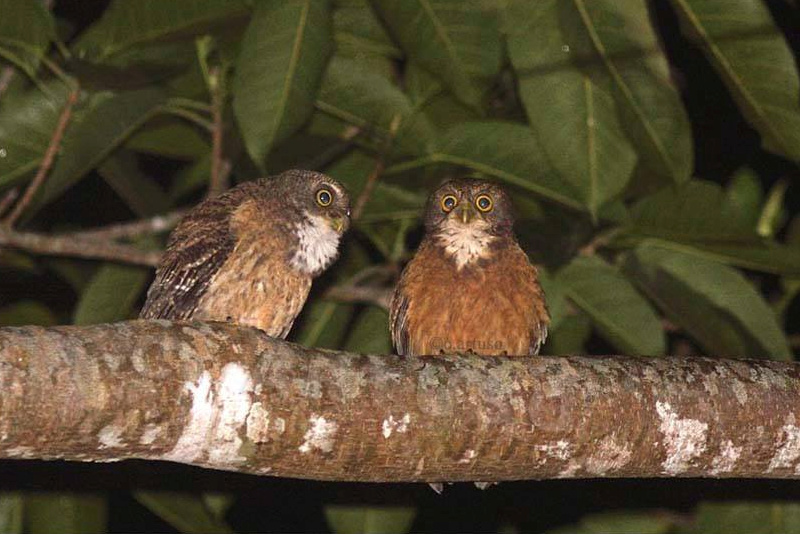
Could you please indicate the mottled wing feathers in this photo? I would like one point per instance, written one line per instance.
(398, 321)
(196, 250)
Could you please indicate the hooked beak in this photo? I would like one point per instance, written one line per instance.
(466, 213)
(339, 223)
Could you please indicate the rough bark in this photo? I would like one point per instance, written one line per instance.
(234, 399)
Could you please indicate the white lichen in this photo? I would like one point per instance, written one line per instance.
(468, 456)
(390, 425)
(150, 434)
(234, 401)
(684, 439)
(726, 460)
(788, 446)
(560, 449)
(320, 435)
(608, 456)
(216, 416)
(258, 423)
(110, 437)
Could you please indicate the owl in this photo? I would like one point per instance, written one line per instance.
(249, 255)
(470, 288)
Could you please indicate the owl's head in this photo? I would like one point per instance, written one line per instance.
(310, 195)
(470, 204)
(466, 217)
(316, 208)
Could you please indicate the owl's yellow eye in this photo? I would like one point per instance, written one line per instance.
(448, 203)
(484, 203)
(324, 197)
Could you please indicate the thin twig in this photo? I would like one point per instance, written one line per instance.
(376, 295)
(128, 230)
(77, 248)
(47, 161)
(380, 165)
(218, 179)
(8, 199)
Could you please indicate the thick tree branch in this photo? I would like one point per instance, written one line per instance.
(228, 398)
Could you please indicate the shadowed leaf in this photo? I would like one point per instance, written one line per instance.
(620, 313)
(713, 302)
(573, 113)
(755, 62)
(280, 65)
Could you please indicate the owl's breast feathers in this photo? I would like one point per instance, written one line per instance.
(229, 260)
(492, 306)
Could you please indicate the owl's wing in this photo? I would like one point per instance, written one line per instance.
(538, 337)
(541, 316)
(197, 249)
(398, 320)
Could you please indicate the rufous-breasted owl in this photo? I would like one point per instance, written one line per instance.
(470, 287)
(249, 255)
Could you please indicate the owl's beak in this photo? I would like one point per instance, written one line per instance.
(338, 223)
(466, 213)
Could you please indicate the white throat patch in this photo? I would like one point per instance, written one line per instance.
(465, 243)
(317, 245)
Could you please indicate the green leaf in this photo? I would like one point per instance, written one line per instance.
(26, 28)
(699, 218)
(620, 523)
(191, 178)
(745, 194)
(711, 301)
(457, 40)
(65, 513)
(142, 195)
(749, 517)
(429, 96)
(365, 98)
(278, 72)
(387, 201)
(748, 50)
(126, 24)
(570, 336)
(26, 123)
(11, 512)
(370, 335)
(111, 294)
(619, 36)
(186, 512)
(620, 313)
(171, 138)
(506, 151)
(691, 212)
(93, 136)
(25, 312)
(359, 33)
(573, 113)
(774, 214)
(370, 519)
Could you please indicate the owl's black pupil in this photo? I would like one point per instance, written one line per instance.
(449, 202)
(483, 202)
(324, 197)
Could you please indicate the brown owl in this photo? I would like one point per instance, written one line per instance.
(249, 255)
(470, 288)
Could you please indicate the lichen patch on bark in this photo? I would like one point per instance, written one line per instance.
(400, 425)
(320, 435)
(788, 451)
(726, 460)
(684, 439)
